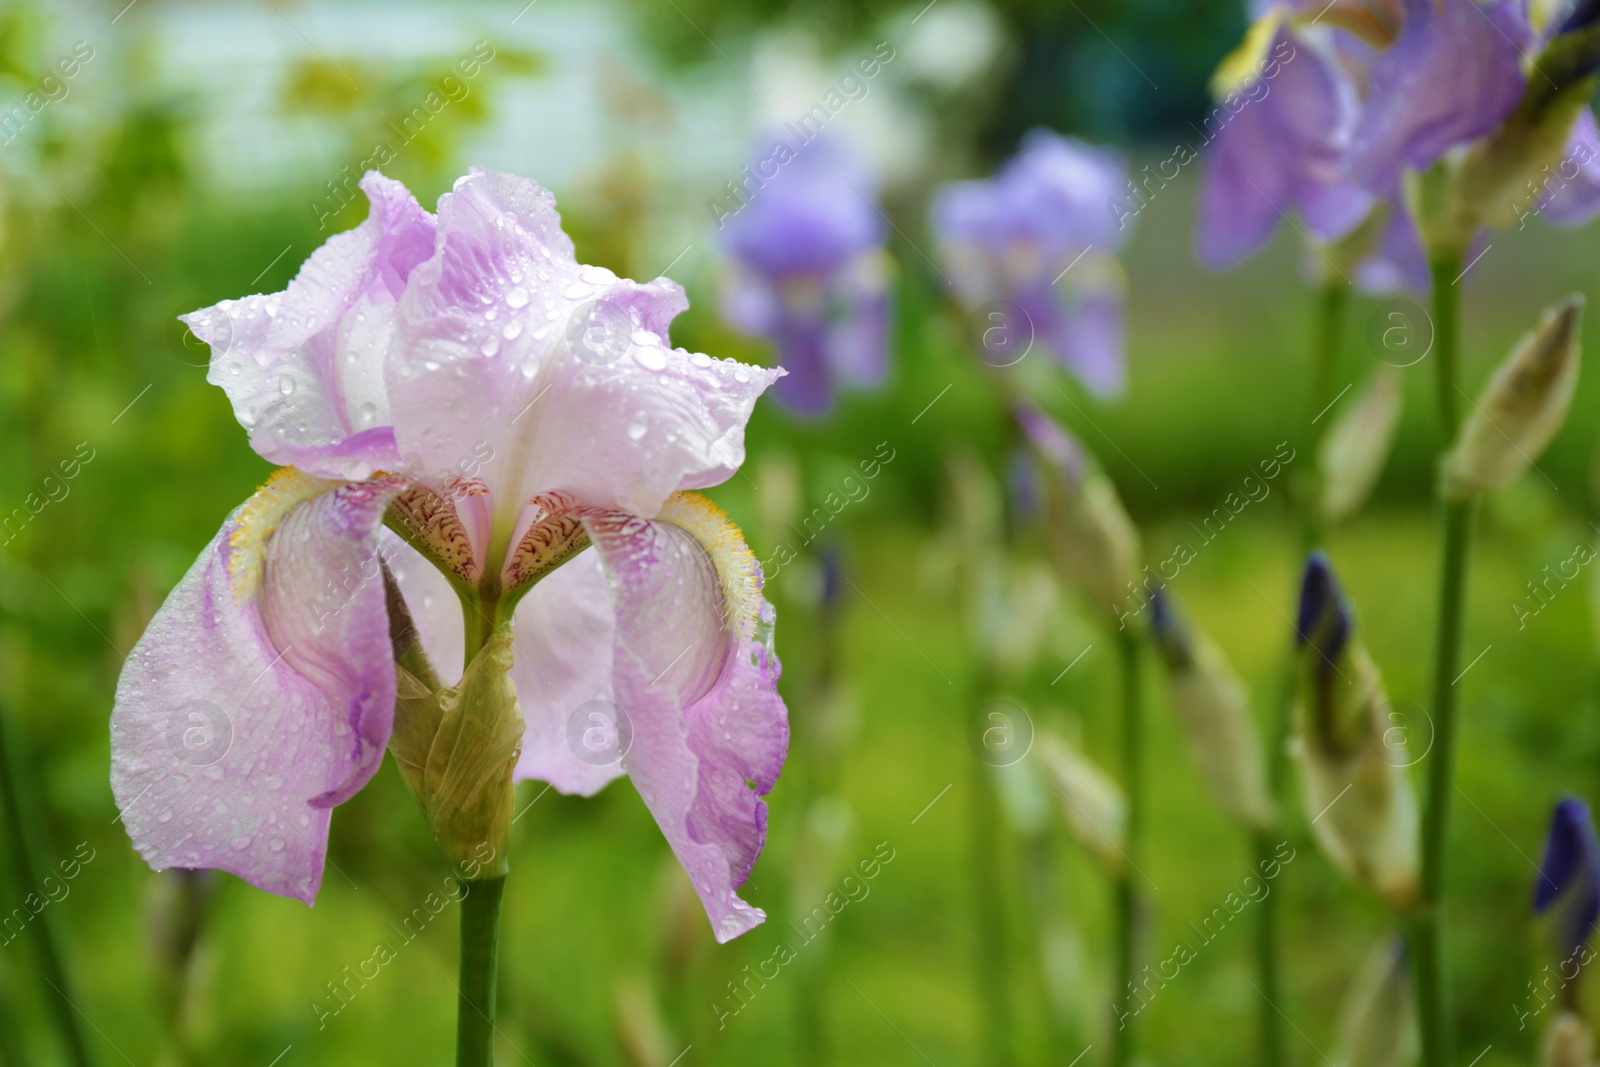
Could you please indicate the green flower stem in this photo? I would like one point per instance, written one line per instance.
(988, 899)
(1427, 926)
(1128, 902)
(22, 837)
(1332, 299)
(480, 952)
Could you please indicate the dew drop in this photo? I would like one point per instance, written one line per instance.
(513, 330)
(490, 347)
(651, 358)
(637, 427)
(241, 842)
(276, 844)
(369, 414)
(165, 816)
(517, 298)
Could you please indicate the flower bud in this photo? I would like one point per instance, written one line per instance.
(1214, 711)
(1534, 135)
(1570, 1042)
(457, 746)
(1091, 801)
(1378, 1019)
(1356, 446)
(1521, 408)
(1096, 544)
(1569, 877)
(1363, 812)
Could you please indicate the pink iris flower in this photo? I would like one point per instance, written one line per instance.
(525, 422)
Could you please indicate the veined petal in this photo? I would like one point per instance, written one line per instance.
(564, 630)
(262, 694)
(1452, 75)
(304, 368)
(1281, 151)
(562, 373)
(696, 678)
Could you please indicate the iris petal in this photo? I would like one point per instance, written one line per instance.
(262, 694)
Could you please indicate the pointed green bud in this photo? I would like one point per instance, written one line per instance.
(1214, 711)
(1095, 542)
(1356, 447)
(1353, 762)
(1520, 410)
(1570, 1042)
(457, 746)
(1378, 1019)
(1497, 171)
(1090, 799)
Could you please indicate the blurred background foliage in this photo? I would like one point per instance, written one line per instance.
(169, 172)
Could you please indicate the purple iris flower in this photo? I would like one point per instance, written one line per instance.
(528, 425)
(812, 274)
(1042, 235)
(1333, 102)
(1569, 876)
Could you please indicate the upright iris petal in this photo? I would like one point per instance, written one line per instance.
(527, 433)
(1569, 874)
(1042, 234)
(811, 272)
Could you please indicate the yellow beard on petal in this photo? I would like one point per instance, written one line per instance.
(1243, 64)
(723, 541)
(284, 490)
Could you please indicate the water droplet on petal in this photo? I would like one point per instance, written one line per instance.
(276, 844)
(517, 298)
(651, 358)
(241, 842)
(512, 331)
(637, 427)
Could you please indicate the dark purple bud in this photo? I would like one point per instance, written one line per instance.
(1584, 13)
(1171, 634)
(1022, 485)
(830, 560)
(1569, 876)
(1324, 621)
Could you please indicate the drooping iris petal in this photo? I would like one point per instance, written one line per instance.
(1042, 235)
(1569, 194)
(562, 374)
(1452, 75)
(1281, 151)
(1569, 876)
(304, 368)
(810, 271)
(263, 692)
(1399, 261)
(696, 678)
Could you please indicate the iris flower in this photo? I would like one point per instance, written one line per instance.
(811, 272)
(1042, 236)
(524, 422)
(1326, 106)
